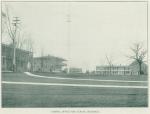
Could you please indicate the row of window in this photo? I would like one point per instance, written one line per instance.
(112, 68)
(113, 72)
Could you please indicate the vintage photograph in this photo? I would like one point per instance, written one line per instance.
(74, 54)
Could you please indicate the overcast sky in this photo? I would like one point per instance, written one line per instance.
(95, 30)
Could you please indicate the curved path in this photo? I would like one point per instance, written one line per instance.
(72, 85)
(59, 78)
(75, 85)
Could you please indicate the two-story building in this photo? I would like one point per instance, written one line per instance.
(23, 59)
(131, 69)
(48, 64)
(113, 70)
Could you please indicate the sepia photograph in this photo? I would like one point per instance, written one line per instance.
(74, 54)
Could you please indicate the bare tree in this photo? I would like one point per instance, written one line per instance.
(28, 43)
(139, 55)
(19, 38)
(12, 28)
(109, 63)
(4, 19)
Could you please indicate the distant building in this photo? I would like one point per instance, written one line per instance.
(113, 70)
(75, 70)
(23, 59)
(132, 69)
(48, 64)
(135, 68)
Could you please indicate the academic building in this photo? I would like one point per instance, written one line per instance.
(23, 59)
(132, 69)
(113, 70)
(48, 64)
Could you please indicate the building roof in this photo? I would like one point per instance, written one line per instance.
(136, 63)
(120, 66)
(18, 49)
(50, 57)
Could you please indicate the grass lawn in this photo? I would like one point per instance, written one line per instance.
(85, 76)
(57, 96)
(21, 77)
(62, 96)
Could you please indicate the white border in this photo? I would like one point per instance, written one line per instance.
(77, 110)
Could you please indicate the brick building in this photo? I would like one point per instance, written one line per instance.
(23, 59)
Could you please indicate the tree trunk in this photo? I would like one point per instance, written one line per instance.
(14, 56)
(140, 68)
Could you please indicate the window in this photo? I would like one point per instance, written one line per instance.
(3, 60)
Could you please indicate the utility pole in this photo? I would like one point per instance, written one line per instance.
(15, 24)
(69, 33)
